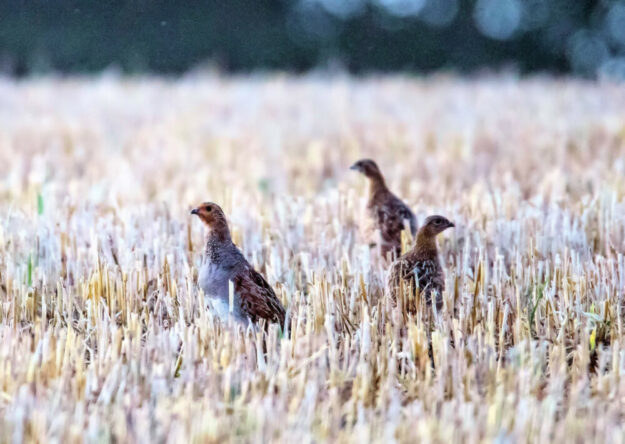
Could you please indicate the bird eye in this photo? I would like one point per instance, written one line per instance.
(209, 208)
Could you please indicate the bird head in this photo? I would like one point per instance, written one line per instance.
(367, 167)
(210, 214)
(434, 225)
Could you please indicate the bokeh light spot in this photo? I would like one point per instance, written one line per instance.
(439, 12)
(402, 8)
(615, 22)
(498, 19)
(587, 51)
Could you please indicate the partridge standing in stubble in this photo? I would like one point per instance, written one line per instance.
(388, 213)
(420, 267)
(254, 299)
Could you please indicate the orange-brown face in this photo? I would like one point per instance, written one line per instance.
(209, 213)
(434, 225)
(367, 167)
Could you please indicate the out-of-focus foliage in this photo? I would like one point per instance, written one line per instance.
(585, 37)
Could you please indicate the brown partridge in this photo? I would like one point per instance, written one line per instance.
(222, 263)
(388, 214)
(420, 267)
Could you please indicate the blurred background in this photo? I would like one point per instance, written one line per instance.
(576, 37)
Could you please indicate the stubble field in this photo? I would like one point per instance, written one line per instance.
(104, 335)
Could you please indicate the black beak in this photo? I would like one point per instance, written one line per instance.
(194, 211)
(451, 225)
(354, 167)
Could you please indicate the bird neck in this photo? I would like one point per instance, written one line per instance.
(425, 245)
(377, 184)
(217, 238)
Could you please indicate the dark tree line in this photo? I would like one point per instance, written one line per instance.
(241, 35)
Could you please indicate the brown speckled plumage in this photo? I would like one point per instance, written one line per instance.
(388, 214)
(222, 264)
(420, 267)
